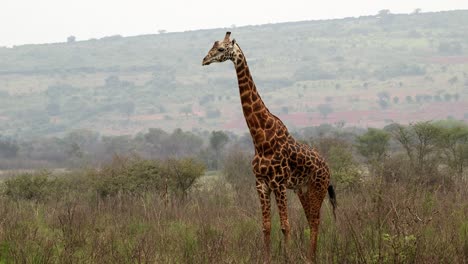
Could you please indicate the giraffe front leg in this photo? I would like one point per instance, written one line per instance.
(264, 195)
(281, 201)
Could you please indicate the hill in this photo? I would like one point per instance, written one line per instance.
(365, 71)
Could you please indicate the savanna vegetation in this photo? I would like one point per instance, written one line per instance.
(126, 150)
(402, 195)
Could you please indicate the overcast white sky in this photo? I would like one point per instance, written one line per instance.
(45, 21)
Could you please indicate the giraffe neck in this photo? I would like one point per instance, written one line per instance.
(255, 111)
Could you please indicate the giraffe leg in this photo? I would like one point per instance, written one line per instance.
(264, 195)
(281, 201)
(304, 201)
(315, 198)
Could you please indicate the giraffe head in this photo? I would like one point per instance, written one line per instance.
(221, 51)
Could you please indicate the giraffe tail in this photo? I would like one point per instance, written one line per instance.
(331, 193)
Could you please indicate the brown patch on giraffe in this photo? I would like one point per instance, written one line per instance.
(254, 97)
(269, 124)
(245, 96)
(258, 107)
(269, 134)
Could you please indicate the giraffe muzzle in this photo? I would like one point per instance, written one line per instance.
(206, 61)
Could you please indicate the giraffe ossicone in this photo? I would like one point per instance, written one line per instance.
(280, 162)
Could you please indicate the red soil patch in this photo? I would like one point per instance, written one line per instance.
(147, 117)
(449, 60)
(365, 118)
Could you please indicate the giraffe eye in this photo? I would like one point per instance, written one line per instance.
(221, 49)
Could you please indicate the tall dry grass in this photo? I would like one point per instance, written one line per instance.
(377, 222)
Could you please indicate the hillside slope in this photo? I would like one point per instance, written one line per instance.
(365, 71)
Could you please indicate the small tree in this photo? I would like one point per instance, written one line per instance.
(385, 96)
(186, 109)
(384, 12)
(454, 145)
(71, 39)
(237, 170)
(338, 153)
(383, 104)
(404, 136)
(344, 168)
(8, 148)
(420, 141)
(416, 11)
(153, 142)
(218, 140)
(127, 108)
(453, 80)
(384, 99)
(325, 110)
(182, 144)
(183, 174)
(409, 99)
(427, 136)
(373, 145)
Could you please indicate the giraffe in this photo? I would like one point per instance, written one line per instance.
(280, 162)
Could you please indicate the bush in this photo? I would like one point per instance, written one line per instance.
(344, 169)
(27, 186)
(135, 176)
(238, 169)
(339, 156)
(182, 174)
(396, 168)
(128, 176)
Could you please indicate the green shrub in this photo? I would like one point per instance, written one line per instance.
(182, 174)
(136, 176)
(128, 176)
(345, 170)
(27, 186)
(238, 169)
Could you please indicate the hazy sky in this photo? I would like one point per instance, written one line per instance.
(44, 21)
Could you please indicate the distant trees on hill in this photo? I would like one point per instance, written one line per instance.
(325, 110)
(71, 39)
(450, 48)
(8, 148)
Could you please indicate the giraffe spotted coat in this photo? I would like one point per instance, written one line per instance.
(280, 162)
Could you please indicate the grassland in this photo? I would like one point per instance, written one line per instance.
(377, 222)
(402, 202)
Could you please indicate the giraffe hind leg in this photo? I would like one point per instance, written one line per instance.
(264, 196)
(311, 201)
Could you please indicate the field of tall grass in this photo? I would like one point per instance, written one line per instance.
(118, 214)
